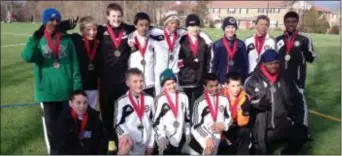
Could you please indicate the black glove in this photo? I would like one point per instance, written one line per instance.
(246, 107)
(265, 103)
(68, 24)
(40, 32)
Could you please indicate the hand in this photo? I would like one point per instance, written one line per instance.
(187, 139)
(125, 140)
(162, 143)
(68, 24)
(208, 151)
(40, 32)
(149, 151)
(124, 150)
(217, 127)
(210, 143)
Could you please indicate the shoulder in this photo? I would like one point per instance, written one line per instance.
(271, 39)
(122, 97)
(304, 36)
(280, 37)
(198, 100)
(249, 39)
(155, 31)
(148, 97)
(92, 113)
(159, 96)
(157, 37)
(128, 27)
(184, 37)
(64, 115)
(241, 43)
(183, 95)
(218, 42)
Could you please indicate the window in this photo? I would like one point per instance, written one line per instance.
(216, 10)
(243, 11)
(209, 10)
(231, 11)
(219, 10)
(277, 10)
(261, 10)
(270, 10)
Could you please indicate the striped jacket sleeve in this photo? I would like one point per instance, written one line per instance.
(158, 120)
(199, 131)
(119, 120)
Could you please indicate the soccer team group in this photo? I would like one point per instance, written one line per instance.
(168, 91)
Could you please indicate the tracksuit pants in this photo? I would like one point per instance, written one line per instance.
(239, 138)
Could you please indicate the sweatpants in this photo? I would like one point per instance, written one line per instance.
(193, 94)
(92, 98)
(50, 115)
(240, 141)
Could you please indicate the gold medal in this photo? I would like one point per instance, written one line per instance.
(287, 57)
(91, 67)
(56, 65)
(117, 53)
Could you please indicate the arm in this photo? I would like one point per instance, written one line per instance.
(187, 117)
(308, 50)
(208, 58)
(75, 67)
(227, 116)
(258, 98)
(206, 38)
(102, 146)
(243, 115)
(31, 51)
(214, 60)
(246, 61)
(199, 132)
(158, 124)
(119, 120)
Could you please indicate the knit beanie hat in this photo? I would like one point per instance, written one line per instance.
(51, 13)
(269, 55)
(167, 74)
(229, 21)
(192, 20)
(170, 16)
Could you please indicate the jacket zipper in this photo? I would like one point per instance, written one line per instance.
(272, 117)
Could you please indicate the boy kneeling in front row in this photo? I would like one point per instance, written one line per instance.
(79, 129)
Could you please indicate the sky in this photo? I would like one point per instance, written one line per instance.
(335, 5)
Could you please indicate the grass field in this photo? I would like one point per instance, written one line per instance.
(21, 128)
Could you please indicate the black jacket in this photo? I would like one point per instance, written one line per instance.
(192, 72)
(301, 53)
(112, 68)
(89, 77)
(67, 140)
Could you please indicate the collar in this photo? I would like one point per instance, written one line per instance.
(266, 36)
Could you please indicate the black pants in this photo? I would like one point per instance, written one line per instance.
(50, 115)
(240, 138)
(108, 97)
(193, 94)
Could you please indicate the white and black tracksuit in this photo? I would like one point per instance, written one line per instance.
(126, 121)
(295, 70)
(163, 53)
(253, 55)
(164, 121)
(136, 58)
(202, 122)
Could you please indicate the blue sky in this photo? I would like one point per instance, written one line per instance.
(329, 4)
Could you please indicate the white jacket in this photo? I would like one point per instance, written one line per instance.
(270, 43)
(163, 123)
(126, 121)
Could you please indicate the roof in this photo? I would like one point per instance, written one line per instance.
(248, 4)
(322, 9)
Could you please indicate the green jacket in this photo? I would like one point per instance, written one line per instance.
(53, 84)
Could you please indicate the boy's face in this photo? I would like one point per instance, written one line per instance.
(90, 31)
(193, 30)
(52, 25)
(291, 24)
(170, 85)
(212, 87)
(229, 31)
(262, 26)
(234, 87)
(172, 25)
(135, 83)
(142, 26)
(272, 67)
(114, 18)
(79, 104)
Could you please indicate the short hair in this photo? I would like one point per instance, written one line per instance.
(133, 71)
(141, 16)
(235, 76)
(86, 20)
(114, 7)
(209, 77)
(262, 17)
(291, 14)
(77, 92)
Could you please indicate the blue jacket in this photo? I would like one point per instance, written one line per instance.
(220, 64)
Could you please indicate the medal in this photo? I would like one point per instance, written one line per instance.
(140, 127)
(91, 67)
(168, 41)
(289, 42)
(116, 40)
(176, 124)
(117, 53)
(137, 109)
(287, 57)
(193, 45)
(171, 57)
(273, 89)
(230, 51)
(196, 60)
(258, 59)
(56, 64)
(142, 50)
(259, 44)
(173, 106)
(213, 111)
(143, 62)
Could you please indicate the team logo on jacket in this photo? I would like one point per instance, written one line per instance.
(251, 46)
(266, 47)
(221, 108)
(128, 109)
(231, 20)
(47, 52)
(86, 135)
(161, 37)
(147, 108)
(280, 44)
(297, 43)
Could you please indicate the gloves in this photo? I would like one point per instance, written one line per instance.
(40, 32)
(265, 103)
(162, 143)
(68, 24)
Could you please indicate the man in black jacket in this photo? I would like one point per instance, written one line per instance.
(194, 60)
(275, 107)
(79, 129)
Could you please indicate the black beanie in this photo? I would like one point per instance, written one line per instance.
(192, 20)
(229, 21)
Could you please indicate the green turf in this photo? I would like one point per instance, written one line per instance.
(21, 129)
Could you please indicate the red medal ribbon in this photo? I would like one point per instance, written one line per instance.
(230, 51)
(174, 107)
(259, 44)
(91, 54)
(193, 46)
(271, 78)
(54, 48)
(213, 111)
(289, 42)
(167, 37)
(83, 123)
(141, 49)
(233, 108)
(116, 40)
(139, 111)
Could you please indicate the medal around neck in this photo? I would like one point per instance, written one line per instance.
(117, 53)
(231, 63)
(287, 57)
(171, 57)
(176, 124)
(56, 64)
(273, 89)
(91, 67)
(143, 62)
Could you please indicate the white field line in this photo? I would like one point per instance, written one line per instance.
(13, 45)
